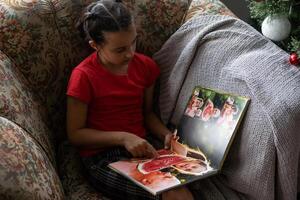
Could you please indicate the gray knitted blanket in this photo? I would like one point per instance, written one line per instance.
(227, 54)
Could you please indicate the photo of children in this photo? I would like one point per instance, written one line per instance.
(204, 109)
(162, 172)
(182, 158)
(155, 181)
(194, 106)
(213, 130)
(208, 110)
(160, 162)
(204, 106)
(191, 167)
(227, 113)
(197, 150)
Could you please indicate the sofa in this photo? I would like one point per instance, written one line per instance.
(39, 47)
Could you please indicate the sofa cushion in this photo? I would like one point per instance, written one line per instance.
(25, 170)
(72, 175)
(19, 105)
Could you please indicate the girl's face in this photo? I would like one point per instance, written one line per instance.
(118, 48)
(195, 166)
(158, 180)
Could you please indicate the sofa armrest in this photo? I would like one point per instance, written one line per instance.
(20, 105)
(25, 170)
(200, 7)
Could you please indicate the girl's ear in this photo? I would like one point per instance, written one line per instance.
(93, 44)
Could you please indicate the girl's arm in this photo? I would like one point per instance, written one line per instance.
(152, 122)
(81, 136)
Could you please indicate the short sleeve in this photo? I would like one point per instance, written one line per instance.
(153, 72)
(79, 86)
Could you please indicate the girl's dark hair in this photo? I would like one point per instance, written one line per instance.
(103, 16)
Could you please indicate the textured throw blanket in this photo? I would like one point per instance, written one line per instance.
(227, 54)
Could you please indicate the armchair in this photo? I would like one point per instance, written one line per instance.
(39, 46)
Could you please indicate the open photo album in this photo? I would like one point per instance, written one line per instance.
(205, 133)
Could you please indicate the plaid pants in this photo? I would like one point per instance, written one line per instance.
(110, 183)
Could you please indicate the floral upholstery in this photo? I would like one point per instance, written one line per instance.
(18, 104)
(39, 46)
(72, 178)
(41, 38)
(156, 21)
(198, 7)
(25, 170)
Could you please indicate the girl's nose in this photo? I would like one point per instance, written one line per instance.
(130, 52)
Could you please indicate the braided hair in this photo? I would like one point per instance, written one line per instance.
(103, 16)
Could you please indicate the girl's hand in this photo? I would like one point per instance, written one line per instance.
(139, 147)
(169, 137)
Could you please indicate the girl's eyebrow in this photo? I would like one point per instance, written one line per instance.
(119, 48)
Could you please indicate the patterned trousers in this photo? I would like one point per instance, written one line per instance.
(110, 183)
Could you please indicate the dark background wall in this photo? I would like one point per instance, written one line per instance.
(239, 8)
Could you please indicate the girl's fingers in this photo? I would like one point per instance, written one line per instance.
(175, 136)
(175, 132)
(168, 139)
(151, 151)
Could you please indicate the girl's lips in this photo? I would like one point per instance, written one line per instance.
(127, 61)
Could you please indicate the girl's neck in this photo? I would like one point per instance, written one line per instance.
(115, 69)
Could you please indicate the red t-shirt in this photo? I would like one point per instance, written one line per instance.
(115, 102)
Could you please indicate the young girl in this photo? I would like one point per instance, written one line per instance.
(109, 102)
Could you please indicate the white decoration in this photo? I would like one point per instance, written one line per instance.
(276, 27)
